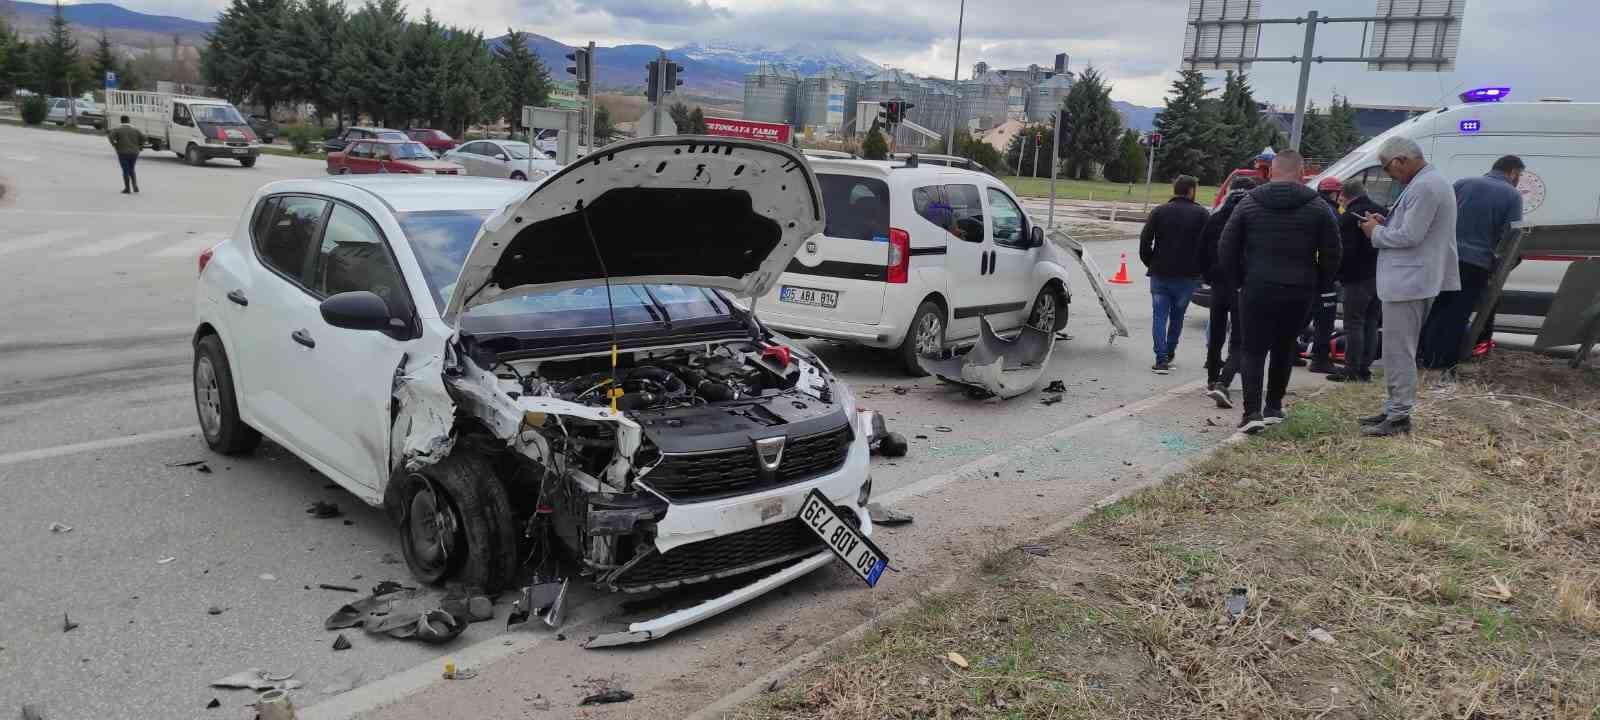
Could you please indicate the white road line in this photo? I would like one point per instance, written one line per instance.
(192, 245)
(111, 213)
(37, 241)
(112, 244)
(95, 445)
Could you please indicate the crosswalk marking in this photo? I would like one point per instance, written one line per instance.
(191, 245)
(29, 242)
(112, 244)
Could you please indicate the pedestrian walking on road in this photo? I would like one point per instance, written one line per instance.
(1417, 260)
(1485, 208)
(128, 141)
(1326, 307)
(1279, 248)
(1224, 323)
(1358, 271)
(1172, 249)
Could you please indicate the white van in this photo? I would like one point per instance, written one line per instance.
(911, 256)
(1558, 140)
(196, 128)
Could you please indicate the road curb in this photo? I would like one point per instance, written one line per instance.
(719, 708)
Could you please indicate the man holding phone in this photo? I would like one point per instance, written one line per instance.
(1416, 261)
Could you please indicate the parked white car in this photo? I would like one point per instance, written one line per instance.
(452, 350)
(501, 159)
(912, 256)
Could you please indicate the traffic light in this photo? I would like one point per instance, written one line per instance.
(652, 86)
(580, 68)
(896, 110)
(672, 81)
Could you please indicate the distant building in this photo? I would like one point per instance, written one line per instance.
(1371, 120)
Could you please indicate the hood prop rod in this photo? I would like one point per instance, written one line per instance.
(614, 391)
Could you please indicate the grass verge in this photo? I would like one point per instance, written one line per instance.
(1306, 573)
(1100, 190)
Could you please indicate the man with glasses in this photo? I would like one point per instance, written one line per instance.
(1416, 261)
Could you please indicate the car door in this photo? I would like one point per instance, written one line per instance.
(968, 259)
(283, 250)
(498, 161)
(340, 380)
(470, 156)
(1012, 258)
(379, 158)
(354, 156)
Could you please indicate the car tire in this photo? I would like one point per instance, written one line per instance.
(215, 402)
(518, 176)
(247, 161)
(926, 332)
(192, 156)
(893, 445)
(456, 524)
(1049, 301)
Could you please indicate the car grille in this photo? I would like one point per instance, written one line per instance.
(706, 476)
(238, 143)
(723, 556)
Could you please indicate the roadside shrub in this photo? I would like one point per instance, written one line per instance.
(300, 137)
(330, 133)
(34, 109)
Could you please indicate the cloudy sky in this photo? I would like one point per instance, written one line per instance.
(1539, 47)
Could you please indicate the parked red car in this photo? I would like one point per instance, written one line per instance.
(437, 140)
(389, 156)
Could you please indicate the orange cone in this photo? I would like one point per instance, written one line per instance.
(1121, 278)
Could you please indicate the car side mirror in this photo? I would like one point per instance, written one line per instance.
(1036, 236)
(359, 310)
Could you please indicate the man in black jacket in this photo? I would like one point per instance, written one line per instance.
(1224, 325)
(1358, 273)
(1280, 247)
(1171, 249)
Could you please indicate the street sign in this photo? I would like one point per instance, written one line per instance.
(111, 80)
(563, 121)
(748, 129)
(1220, 35)
(1415, 35)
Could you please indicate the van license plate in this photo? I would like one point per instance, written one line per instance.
(240, 151)
(845, 541)
(808, 296)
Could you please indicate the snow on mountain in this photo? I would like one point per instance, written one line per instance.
(802, 59)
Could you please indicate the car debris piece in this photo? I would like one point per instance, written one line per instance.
(879, 440)
(1056, 386)
(885, 515)
(341, 642)
(607, 696)
(323, 510)
(957, 659)
(269, 577)
(1321, 636)
(165, 560)
(1238, 599)
(214, 704)
(32, 712)
(518, 615)
(553, 616)
(203, 469)
(67, 625)
(56, 527)
(274, 705)
(1036, 550)
(214, 610)
(251, 679)
(996, 366)
(1050, 399)
(340, 588)
(188, 463)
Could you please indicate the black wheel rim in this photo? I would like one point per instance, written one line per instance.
(433, 531)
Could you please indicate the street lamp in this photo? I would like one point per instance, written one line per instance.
(955, 83)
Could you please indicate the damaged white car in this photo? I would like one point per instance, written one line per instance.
(519, 374)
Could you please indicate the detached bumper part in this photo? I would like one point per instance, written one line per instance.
(997, 366)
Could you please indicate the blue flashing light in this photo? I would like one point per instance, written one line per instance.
(1485, 94)
(1469, 127)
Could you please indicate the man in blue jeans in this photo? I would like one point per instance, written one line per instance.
(1173, 250)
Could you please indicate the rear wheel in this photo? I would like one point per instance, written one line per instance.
(456, 524)
(924, 337)
(216, 403)
(1049, 311)
(518, 176)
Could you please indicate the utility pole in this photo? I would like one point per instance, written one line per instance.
(1055, 155)
(1036, 144)
(1150, 169)
(955, 82)
(1299, 127)
(1022, 150)
(589, 81)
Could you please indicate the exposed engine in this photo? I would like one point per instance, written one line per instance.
(677, 378)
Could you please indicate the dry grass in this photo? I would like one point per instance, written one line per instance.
(1454, 573)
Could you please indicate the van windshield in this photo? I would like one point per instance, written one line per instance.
(216, 114)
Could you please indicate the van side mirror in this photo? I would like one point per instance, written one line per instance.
(359, 310)
(1036, 236)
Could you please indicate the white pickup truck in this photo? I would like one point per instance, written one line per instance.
(196, 128)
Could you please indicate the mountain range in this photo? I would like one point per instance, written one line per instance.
(713, 68)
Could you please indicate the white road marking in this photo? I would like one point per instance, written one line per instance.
(192, 245)
(112, 244)
(111, 213)
(37, 241)
(95, 445)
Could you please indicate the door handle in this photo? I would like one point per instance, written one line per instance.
(304, 338)
(238, 298)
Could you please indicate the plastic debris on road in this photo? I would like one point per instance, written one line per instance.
(67, 625)
(885, 515)
(56, 527)
(607, 696)
(323, 510)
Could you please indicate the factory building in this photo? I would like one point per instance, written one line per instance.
(771, 94)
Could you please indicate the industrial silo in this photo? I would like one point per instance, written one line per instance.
(1047, 95)
(939, 105)
(982, 103)
(770, 95)
(825, 100)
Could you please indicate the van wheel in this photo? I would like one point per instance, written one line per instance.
(924, 338)
(518, 176)
(192, 156)
(247, 161)
(456, 524)
(215, 402)
(1049, 312)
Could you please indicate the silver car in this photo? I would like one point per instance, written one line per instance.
(501, 159)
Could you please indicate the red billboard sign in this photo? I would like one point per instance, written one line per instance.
(748, 129)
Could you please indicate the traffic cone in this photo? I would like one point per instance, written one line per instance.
(1121, 278)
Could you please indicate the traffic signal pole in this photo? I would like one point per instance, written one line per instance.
(588, 110)
(1055, 155)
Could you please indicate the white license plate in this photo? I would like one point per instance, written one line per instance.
(240, 151)
(855, 549)
(808, 296)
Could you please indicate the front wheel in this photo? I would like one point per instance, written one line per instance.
(1049, 311)
(216, 403)
(518, 176)
(192, 156)
(456, 524)
(247, 161)
(924, 338)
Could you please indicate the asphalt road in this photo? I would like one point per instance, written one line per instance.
(96, 422)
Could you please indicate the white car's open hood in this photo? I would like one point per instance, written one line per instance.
(689, 210)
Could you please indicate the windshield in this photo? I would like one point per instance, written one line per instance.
(392, 135)
(518, 150)
(441, 239)
(411, 151)
(216, 114)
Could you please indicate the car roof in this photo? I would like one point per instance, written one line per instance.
(418, 193)
(895, 170)
(387, 141)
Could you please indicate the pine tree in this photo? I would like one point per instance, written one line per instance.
(603, 129)
(1243, 131)
(1343, 133)
(874, 146)
(527, 81)
(1092, 126)
(249, 54)
(1129, 164)
(1189, 131)
(679, 113)
(317, 26)
(421, 82)
(55, 59)
(1316, 142)
(105, 60)
(12, 55)
(697, 122)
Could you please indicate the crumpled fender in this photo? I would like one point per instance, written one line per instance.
(1000, 367)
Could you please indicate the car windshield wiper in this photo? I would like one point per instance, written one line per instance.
(666, 317)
